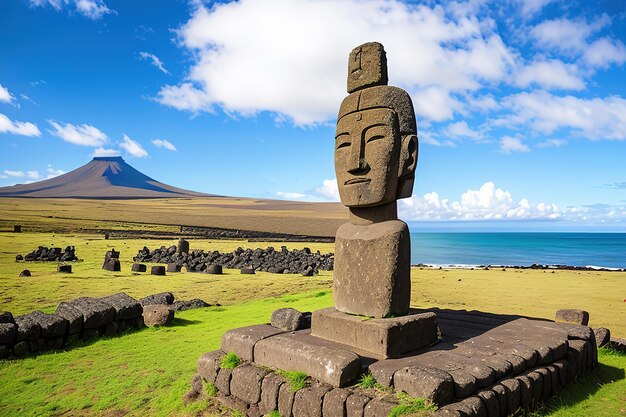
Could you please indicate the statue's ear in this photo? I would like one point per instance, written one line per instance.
(406, 168)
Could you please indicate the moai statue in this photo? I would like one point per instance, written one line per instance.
(376, 150)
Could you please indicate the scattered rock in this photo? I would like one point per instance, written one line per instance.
(183, 246)
(43, 253)
(189, 304)
(173, 267)
(112, 265)
(573, 316)
(160, 298)
(17, 228)
(246, 271)
(67, 269)
(158, 315)
(19, 258)
(25, 273)
(214, 269)
(157, 270)
(139, 267)
(287, 319)
(603, 336)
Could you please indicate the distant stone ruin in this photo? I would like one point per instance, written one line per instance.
(42, 253)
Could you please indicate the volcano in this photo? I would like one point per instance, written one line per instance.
(102, 178)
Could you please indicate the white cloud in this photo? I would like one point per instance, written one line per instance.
(510, 144)
(462, 130)
(553, 74)
(329, 190)
(486, 203)
(605, 52)
(83, 135)
(302, 45)
(528, 8)
(18, 128)
(53, 172)
(154, 60)
(551, 143)
(565, 35)
(133, 148)
(291, 196)
(597, 118)
(162, 143)
(33, 175)
(104, 152)
(5, 96)
(92, 9)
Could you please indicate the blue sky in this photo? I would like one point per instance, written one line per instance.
(521, 104)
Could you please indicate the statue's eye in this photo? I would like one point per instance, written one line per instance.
(375, 137)
(343, 144)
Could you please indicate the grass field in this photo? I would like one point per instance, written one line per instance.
(148, 371)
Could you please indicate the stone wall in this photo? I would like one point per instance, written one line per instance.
(80, 319)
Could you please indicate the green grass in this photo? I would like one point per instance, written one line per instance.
(367, 381)
(141, 373)
(409, 405)
(274, 413)
(230, 361)
(296, 379)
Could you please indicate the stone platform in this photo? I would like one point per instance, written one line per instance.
(485, 365)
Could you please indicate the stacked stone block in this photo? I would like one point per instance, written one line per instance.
(82, 318)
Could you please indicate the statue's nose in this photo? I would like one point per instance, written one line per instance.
(362, 167)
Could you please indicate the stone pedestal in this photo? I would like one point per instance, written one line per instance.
(378, 338)
(372, 273)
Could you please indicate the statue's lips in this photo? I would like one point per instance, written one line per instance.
(357, 180)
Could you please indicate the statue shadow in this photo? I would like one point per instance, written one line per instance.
(180, 322)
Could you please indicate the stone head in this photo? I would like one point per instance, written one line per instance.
(376, 138)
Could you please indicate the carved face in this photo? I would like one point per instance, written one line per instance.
(367, 148)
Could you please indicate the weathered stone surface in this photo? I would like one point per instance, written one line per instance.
(475, 406)
(513, 394)
(160, 298)
(378, 407)
(537, 384)
(547, 383)
(21, 348)
(196, 383)
(572, 316)
(335, 403)
(27, 328)
(245, 383)
(112, 265)
(189, 304)
(464, 383)
(355, 405)
(500, 392)
(233, 402)
(6, 317)
(173, 267)
(269, 392)
(316, 357)
(95, 312)
(242, 340)
(562, 367)
(285, 400)
(25, 273)
(183, 246)
(137, 267)
(222, 381)
(308, 401)
(209, 365)
(526, 391)
(158, 315)
(603, 336)
(490, 402)
(125, 306)
(382, 338)
(287, 319)
(425, 382)
(73, 316)
(66, 269)
(374, 259)
(51, 325)
(8, 333)
(247, 271)
(5, 351)
(157, 270)
(367, 67)
(110, 329)
(214, 269)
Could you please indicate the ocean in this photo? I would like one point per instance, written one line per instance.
(601, 250)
